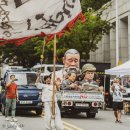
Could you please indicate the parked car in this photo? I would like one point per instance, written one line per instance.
(46, 69)
(29, 94)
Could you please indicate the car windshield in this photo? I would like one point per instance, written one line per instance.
(25, 78)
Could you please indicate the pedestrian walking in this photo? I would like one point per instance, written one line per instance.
(11, 98)
(117, 89)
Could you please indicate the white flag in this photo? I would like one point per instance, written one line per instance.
(25, 18)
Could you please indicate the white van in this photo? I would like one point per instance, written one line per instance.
(46, 69)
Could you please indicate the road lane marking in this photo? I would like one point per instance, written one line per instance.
(67, 128)
(70, 125)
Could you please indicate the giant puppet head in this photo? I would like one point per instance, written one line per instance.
(71, 62)
(71, 59)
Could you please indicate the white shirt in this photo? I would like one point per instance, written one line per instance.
(117, 94)
(47, 92)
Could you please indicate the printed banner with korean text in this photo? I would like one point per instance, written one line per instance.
(27, 18)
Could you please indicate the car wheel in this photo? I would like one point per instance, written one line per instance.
(39, 111)
(91, 115)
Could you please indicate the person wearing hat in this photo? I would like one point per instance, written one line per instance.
(88, 71)
(47, 92)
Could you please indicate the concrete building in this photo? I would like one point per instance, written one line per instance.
(107, 46)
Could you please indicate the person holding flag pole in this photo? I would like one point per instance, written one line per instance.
(52, 113)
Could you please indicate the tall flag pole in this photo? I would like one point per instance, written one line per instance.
(54, 75)
(42, 55)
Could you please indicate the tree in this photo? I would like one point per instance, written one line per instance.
(94, 4)
(26, 54)
(85, 37)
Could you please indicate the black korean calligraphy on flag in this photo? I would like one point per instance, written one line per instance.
(22, 19)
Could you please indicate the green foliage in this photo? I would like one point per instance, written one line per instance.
(85, 37)
(26, 55)
(94, 4)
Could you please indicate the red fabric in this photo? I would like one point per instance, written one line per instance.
(20, 41)
(11, 91)
(67, 27)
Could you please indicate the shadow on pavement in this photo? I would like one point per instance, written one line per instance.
(23, 113)
(79, 116)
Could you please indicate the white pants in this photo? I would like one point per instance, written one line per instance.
(48, 113)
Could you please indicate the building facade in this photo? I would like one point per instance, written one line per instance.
(106, 52)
